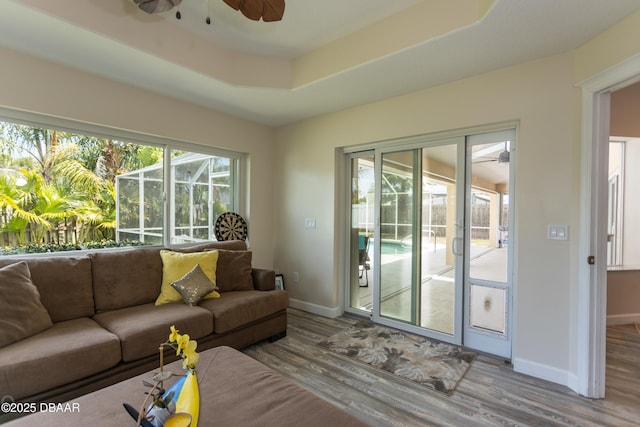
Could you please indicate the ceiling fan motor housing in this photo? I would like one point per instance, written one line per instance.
(504, 157)
(157, 6)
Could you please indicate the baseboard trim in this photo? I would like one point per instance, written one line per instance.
(320, 310)
(623, 319)
(545, 372)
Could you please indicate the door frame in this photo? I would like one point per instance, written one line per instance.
(592, 279)
(344, 207)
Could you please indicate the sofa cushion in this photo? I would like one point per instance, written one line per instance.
(143, 328)
(65, 296)
(193, 286)
(177, 264)
(126, 278)
(234, 271)
(21, 312)
(67, 351)
(230, 245)
(239, 308)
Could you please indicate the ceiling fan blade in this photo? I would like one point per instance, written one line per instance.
(268, 10)
(252, 9)
(234, 3)
(273, 10)
(157, 6)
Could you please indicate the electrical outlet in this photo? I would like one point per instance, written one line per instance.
(296, 277)
(309, 223)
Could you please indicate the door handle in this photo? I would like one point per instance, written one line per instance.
(454, 246)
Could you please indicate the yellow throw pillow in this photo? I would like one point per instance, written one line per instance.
(176, 264)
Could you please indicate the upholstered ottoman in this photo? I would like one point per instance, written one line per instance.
(235, 390)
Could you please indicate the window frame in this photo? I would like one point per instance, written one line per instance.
(238, 160)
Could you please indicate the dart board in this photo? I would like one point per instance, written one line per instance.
(230, 226)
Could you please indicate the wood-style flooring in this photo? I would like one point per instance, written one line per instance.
(490, 394)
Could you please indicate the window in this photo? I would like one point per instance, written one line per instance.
(62, 189)
(201, 190)
(623, 246)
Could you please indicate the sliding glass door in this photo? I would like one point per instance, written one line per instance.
(429, 244)
(418, 238)
(441, 268)
(399, 237)
(361, 231)
(406, 237)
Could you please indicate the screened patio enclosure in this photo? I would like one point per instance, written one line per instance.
(200, 191)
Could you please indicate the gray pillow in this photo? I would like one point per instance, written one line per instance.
(21, 312)
(193, 286)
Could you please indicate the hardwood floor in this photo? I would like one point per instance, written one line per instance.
(490, 393)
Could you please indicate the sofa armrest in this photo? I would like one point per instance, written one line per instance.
(263, 280)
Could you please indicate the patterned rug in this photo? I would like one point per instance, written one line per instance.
(433, 364)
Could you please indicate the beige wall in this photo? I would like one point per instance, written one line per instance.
(623, 297)
(541, 96)
(43, 87)
(545, 98)
(625, 111)
(612, 47)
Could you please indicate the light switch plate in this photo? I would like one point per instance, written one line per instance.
(558, 232)
(309, 223)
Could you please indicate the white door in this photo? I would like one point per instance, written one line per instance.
(488, 247)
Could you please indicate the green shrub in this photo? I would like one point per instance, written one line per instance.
(51, 247)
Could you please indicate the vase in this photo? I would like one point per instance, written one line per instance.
(187, 402)
(183, 407)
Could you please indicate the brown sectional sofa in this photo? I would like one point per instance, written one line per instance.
(106, 327)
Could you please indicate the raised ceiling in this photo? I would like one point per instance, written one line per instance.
(324, 56)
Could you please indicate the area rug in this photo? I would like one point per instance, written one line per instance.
(430, 363)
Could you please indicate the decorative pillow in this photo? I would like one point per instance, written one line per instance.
(176, 264)
(21, 312)
(193, 286)
(234, 271)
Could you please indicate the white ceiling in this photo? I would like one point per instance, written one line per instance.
(307, 25)
(87, 34)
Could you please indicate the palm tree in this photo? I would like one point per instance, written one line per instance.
(96, 216)
(53, 208)
(69, 183)
(37, 143)
(91, 197)
(38, 207)
(16, 206)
